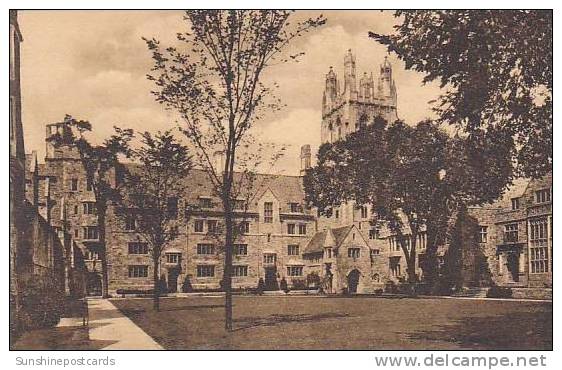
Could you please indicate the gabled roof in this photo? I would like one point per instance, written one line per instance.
(318, 241)
(515, 190)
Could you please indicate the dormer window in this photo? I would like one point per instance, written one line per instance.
(205, 202)
(515, 204)
(542, 196)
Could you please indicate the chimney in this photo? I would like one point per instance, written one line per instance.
(305, 159)
(218, 159)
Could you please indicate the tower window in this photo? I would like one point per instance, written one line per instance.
(268, 212)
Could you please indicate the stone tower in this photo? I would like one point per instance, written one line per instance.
(344, 111)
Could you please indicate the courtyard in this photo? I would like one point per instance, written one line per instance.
(329, 323)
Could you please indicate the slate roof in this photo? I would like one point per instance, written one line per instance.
(316, 244)
(287, 189)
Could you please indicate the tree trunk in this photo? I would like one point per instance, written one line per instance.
(156, 284)
(227, 274)
(103, 254)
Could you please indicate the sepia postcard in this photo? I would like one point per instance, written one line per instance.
(281, 180)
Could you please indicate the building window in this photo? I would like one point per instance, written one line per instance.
(302, 229)
(138, 271)
(328, 252)
(74, 184)
(293, 250)
(130, 223)
(542, 196)
(353, 252)
(295, 208)
(90, 233)
(198, 226)
(515, 203)
(337, 213)
(393, 244)
(240, 249)
(173, 258)
(364, 212)
(373, 234)
(294, 270)
(205, 203)
(92, 255)
(511, 234)
(205, 249)
(375, 252)
(269, 258)
(205, 271)
(172, 207)
(76, 233)
(483, 234)
(239, 271)
(75, 209)
(212, 226)
(138, 248)
(290, 229)
(268, 212)
(89, 186)
(244, 227)
(538, 243)
(89, 208)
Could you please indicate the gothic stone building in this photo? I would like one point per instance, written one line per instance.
(280, 237)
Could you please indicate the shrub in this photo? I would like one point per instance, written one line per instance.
(442, 287)
(186, 286)
(42, 302)
(162, 285)
(261, 286)
(390, 287)
(499, 292)
(298, 284)
(378, 291)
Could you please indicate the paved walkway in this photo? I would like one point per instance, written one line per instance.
(108, 324)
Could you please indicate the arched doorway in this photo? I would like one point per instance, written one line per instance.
(93, 284)
(353, 281)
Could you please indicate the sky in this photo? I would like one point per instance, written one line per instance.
(93, 65)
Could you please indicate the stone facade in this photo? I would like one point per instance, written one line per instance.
(518, 235)
(37, 252)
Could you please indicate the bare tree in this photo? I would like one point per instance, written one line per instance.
(215, 84)
(151, 193)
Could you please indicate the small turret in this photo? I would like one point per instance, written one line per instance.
(305, 159)
(350, 86)
(386, 87)
(330, 91)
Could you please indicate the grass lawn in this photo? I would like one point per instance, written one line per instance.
(344, 323)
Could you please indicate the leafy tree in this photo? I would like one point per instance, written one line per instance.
(99, 163)
(415, 179)
(496, 69)
(214, 81)
(151, 193)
